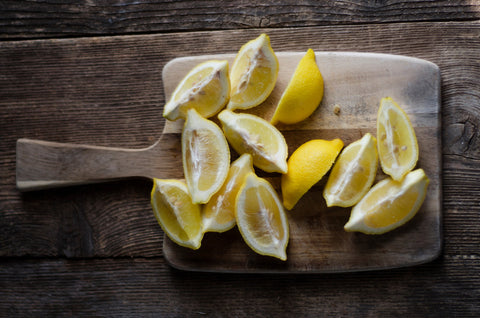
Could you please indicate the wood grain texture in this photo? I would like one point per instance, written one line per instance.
(148, 287)
(98, 90)
(108, 92)
(39, 19)
(318, 243)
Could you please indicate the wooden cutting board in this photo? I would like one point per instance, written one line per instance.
(354, 82)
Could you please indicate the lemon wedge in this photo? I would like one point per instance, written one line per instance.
(389, 204)
(251, 134)
(206, 88)
(205, 155)
(397, 142)
(179, 218)
(303, 94)
(261, 219)
(306, 166)
(253, 74)
(219, 213)
(353, 173)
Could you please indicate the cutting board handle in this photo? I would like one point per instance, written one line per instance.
(44, 164)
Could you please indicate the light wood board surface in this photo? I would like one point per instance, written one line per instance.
(355, 82)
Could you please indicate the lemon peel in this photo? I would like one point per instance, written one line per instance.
(396, 140)
(253, 74)
(306, 166)
(219, 213)
(205, 88)
(389, 204)
(205, 156)
(353, 173)
(251, 134)
(303, 94)
(177, 215)
(261, 219)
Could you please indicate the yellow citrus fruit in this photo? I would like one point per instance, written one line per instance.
(206, 88)
(396, 140)
(261, 219)
(253, 75)
(389, 204)
(205, 155)
(306, 166)
(179, 218)
(251, 134)
(219, 213)
(303, 94)
(353, 173)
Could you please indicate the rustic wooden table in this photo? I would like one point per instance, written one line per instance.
(90, 73)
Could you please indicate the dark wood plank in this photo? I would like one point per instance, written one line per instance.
(448, 287)
(108, 92)
(39, 19)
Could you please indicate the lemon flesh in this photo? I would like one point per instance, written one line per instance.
(353, 173)
(306, 166)
(397, 142)
(251, 134)
(179, 218)
(261, 219)
(303, 94)
(205, 155)
(219, 213)
(253, 74)
(205, 88)
(389, 204)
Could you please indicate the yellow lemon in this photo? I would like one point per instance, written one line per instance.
(206, 88)
(306, 166)
(219, 213)
(253, 75)
(261, 219)
(396, 140)
(389, 204)
(251, 134)
(179, 218)
(205, 155)
(353, 173)
(303, 94)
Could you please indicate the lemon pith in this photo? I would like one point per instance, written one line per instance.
(396, 140)
(253, 74)
(303, 94)
(389, 204)
(205, 88)
(261, 219)
(205, 157)
(306, 166)
(179, 218)
(353, 173)
(219, 213)
(251, 134)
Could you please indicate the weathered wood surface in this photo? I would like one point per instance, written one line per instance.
(51, 18)
(97, 250)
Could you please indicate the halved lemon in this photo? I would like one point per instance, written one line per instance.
(179, 218)
(251, 134)
(205, 155)
(261, 219)
(353, 173)
(389, 204)
(219, 213)
(303, 93)
(206, 88)
(306, 166)
(396, 140)
(253, 75)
